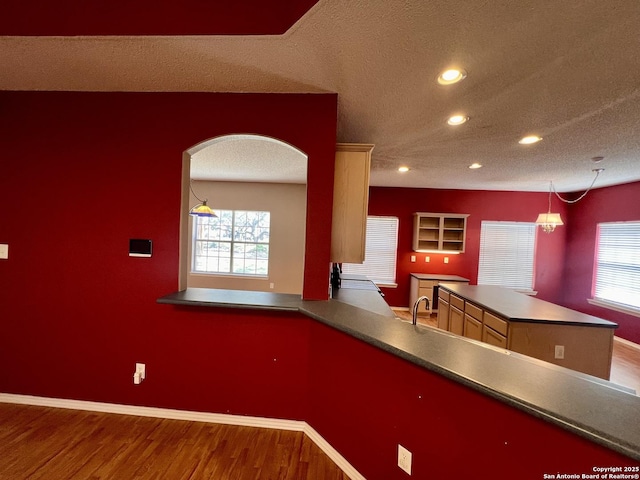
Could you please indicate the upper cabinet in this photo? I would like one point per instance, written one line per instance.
(439, 232)
(350, 202)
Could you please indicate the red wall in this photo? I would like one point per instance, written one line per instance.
(365, 402)
(610, 204)
(118, 156)
(149, 17)
(84, 172)
(480, 205)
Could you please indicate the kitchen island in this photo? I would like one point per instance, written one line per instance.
(524, 324)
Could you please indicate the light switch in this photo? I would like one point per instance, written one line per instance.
(4, 251)
(413, 258)
(446, 259)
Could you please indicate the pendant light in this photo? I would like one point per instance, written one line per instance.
(549, 221)
(201, 209)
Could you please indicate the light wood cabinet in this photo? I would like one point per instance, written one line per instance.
(494, 330)
(422, 288)
(443, 314)
(443, 309)
(456, 319)
(439, 232)
(350, 202)
(472, 328)
(472, 321)
(492, 337)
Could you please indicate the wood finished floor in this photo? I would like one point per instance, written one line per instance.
(625, 363)
(39, 443)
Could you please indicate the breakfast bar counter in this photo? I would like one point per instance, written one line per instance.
(585, 405)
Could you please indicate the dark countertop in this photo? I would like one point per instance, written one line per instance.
(518, 307)
(587, 406)
(439, 277)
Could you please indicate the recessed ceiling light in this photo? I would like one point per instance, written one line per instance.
(473, 166)
(403, 169)
(529, 140)
(451, 76)
(457, 119)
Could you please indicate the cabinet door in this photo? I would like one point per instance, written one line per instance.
(350, 202)
(472, 328)
(492, 337)
(443, 314)
(456, 320)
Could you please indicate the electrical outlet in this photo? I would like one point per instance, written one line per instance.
(4, 251)
(141, 368)
(413, 258)
(140, 373)
(427, 259)
(559, 354)
(446, 259)
(404, 459)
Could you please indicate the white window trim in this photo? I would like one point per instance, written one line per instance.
(618, 307)
(194, 273)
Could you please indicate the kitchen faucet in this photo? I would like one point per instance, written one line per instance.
(415, 308)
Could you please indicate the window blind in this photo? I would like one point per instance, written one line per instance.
(617, 277)
(380, 251)
(507, 254)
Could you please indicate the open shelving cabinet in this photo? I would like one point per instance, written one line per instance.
(439, 232)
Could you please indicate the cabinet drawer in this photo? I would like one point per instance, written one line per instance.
(473, 311)
(496, 323)
(428, 283)
(443, 294)
(426, 291)
(456, 301)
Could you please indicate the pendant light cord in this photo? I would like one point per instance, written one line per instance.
(598, 172)
(197, 198)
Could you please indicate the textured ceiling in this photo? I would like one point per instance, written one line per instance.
(241, 158)
(567, 71)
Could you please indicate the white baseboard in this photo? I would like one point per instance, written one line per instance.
(627, 343)
(221, 418)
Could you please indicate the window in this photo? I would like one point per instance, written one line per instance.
(617, 269)
(507, 253)
(236, 242)
(380, 252)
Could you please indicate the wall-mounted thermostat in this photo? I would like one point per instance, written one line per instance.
(139, 248)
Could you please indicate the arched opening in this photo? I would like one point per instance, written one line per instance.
(241, 176)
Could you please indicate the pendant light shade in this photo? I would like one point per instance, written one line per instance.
(202, 210)
(549, 221)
